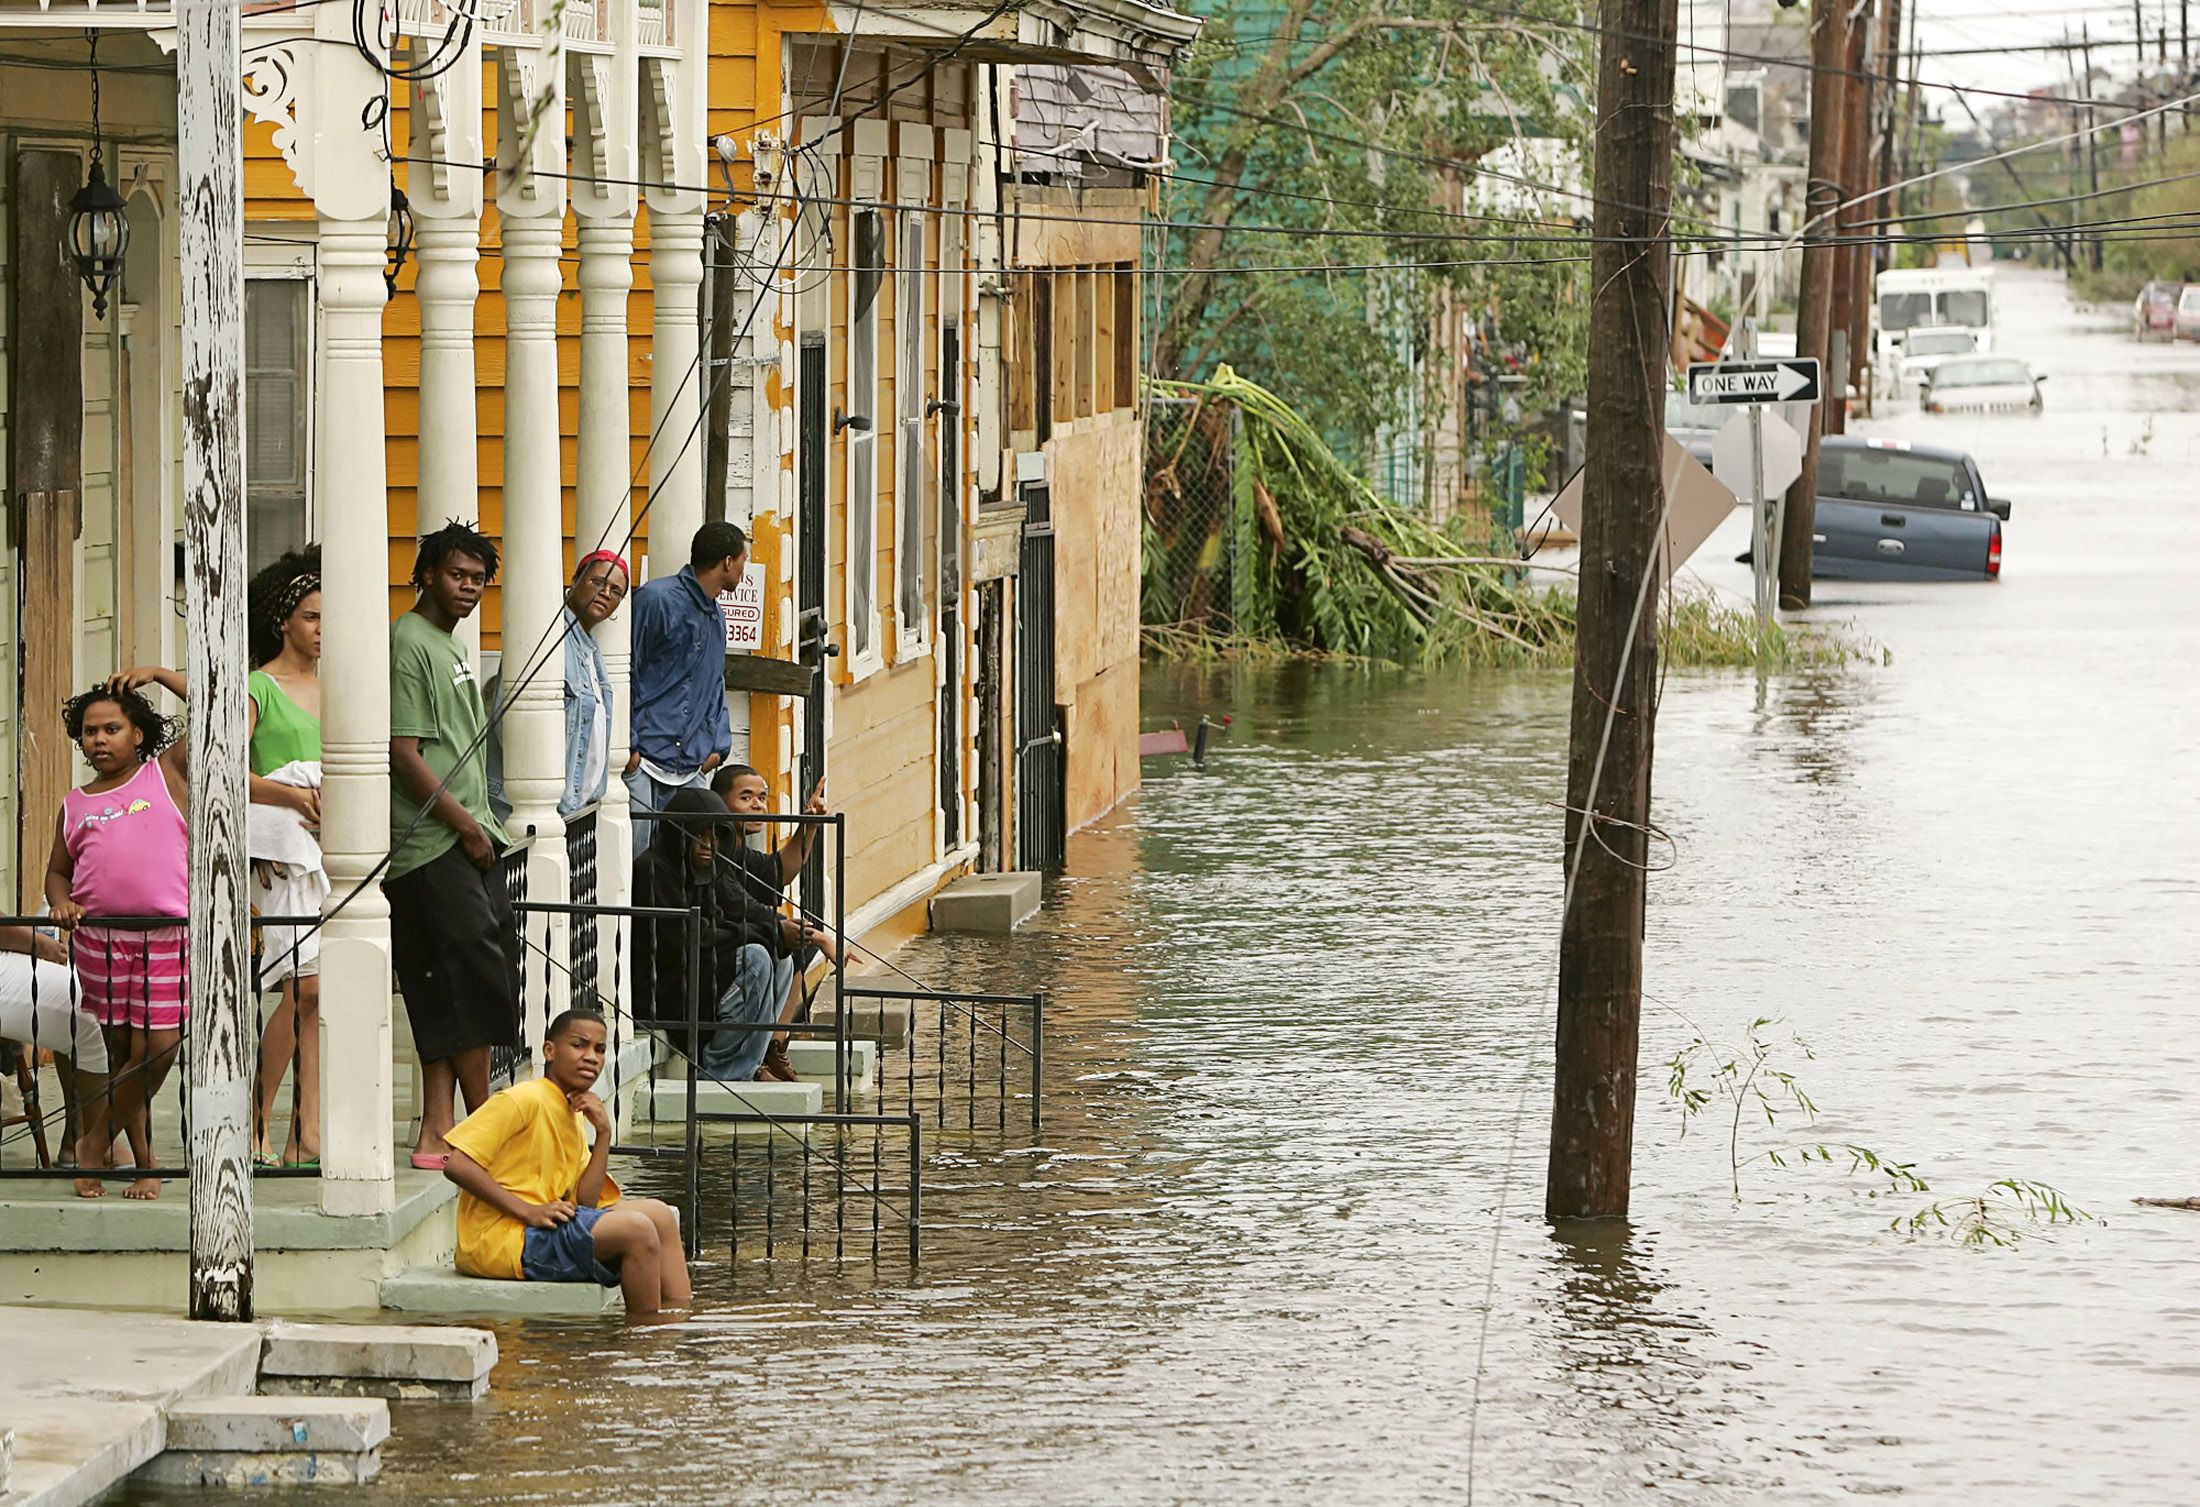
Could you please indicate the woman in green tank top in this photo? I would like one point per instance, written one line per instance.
(285, 689)
(283, 623)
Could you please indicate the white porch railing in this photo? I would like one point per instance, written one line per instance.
(653, 23)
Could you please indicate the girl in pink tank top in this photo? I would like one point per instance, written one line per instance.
(120, 850)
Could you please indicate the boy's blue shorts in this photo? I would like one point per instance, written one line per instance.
(566, 1252)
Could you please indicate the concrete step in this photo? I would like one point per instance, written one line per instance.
(441, 1290)
(669, 1102)
(885, 1021)
(813, 1060)
(269, 1425)
(404, 1361)
(993, 903)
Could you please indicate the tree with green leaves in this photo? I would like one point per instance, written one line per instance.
(1358, 139)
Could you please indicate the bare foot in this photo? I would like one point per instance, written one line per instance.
(90, 1187)
(146, 1188)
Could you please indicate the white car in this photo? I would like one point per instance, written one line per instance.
(1981, 384)
(1923, 350)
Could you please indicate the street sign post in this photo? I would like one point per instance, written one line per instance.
(1742, 457)
(1788, 380)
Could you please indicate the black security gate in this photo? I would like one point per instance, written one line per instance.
(992, 615)
(1041, 831)
(812, 646)
(951, 696)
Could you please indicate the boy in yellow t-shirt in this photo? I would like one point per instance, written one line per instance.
(536, 1204)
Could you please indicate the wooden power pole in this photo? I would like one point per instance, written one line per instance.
(1829, 54)
(219, 1060)
(1616, 649)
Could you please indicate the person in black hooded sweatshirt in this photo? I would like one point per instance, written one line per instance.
(743, 948)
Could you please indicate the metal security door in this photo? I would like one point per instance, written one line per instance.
(1041, 836)
(951, 692)
(991, 615)
(812, 646)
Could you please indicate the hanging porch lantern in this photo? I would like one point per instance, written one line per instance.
(99, 222)
(401, 237)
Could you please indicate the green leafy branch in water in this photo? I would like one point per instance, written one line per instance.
(1994, 1216)
(1745, 1081)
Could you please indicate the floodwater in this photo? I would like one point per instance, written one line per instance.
(1300, 1085)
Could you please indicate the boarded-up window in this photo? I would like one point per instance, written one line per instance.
(275, 418)
(909, 395)
(862, 430)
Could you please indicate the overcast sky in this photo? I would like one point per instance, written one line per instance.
(1964, 26)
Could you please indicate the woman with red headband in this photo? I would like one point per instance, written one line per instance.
(599, 586)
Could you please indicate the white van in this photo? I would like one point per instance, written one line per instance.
(1932, 298)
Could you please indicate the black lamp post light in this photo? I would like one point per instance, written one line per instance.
(99, 222)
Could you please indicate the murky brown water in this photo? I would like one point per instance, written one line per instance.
(1301, 1058)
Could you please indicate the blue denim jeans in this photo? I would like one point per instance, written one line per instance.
(759, 988)
(645, 796)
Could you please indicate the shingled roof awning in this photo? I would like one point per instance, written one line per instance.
(1141, 38)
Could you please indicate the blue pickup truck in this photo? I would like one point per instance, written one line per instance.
(1890, 510)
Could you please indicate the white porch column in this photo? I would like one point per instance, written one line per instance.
(448, 252)
(603, 519)
(534, 581)
(349, 482)
(531, 209)
(675, 388)
(674, 129)
(533, 566)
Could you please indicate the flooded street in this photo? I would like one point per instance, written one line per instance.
(1300, 1072)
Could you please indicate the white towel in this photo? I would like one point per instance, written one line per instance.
(278, 837)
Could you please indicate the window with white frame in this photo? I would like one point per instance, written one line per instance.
(911, 490)
(277, 313)
(861, 429)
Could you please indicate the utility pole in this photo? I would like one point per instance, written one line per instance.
(1829, 52)
(1858, 172)
(218, 1060)
(724, 323)
(2092, 140)
(1616, 649)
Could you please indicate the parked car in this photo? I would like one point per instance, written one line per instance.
(1891, 510)
(2154, 311)
(1924, 350)
(1981, 384)
(2187, 325)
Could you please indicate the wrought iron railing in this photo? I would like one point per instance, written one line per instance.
(52, 1021)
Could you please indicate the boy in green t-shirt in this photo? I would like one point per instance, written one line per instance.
(537, 1203)
(451, 934)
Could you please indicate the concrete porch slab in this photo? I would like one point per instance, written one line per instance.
(84, 1393)
(429, 1290)
(993, 903)
(46, 1215)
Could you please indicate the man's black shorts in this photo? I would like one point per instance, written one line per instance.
(457, 956)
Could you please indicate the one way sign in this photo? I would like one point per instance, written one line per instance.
(1789, 381)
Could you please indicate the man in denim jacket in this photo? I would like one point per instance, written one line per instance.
(681, 730)
(599, 585)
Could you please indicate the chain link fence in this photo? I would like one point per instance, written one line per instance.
(1191, 535)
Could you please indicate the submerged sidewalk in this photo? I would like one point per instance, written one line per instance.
(85, 1393)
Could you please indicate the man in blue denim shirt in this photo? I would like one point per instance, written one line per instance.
(681, 731)
(599, 585)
